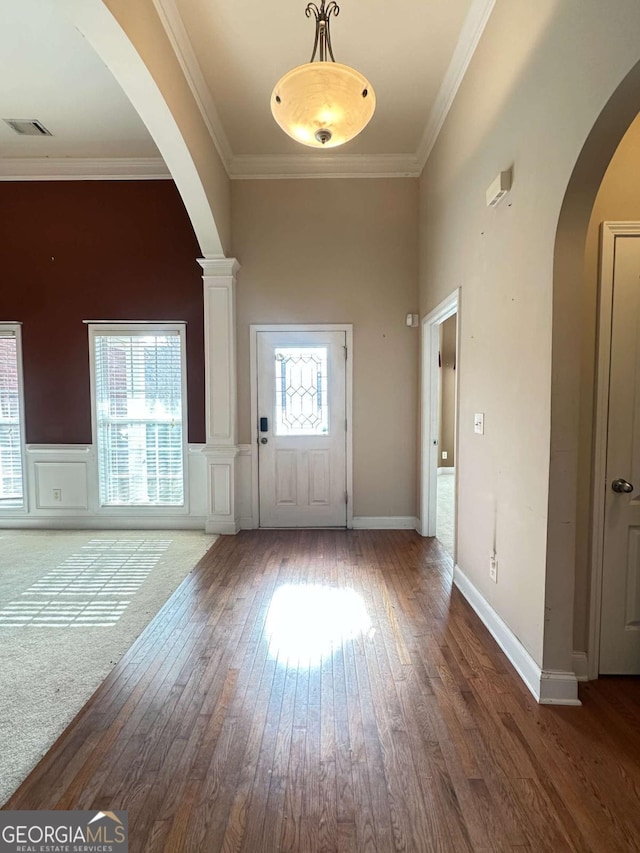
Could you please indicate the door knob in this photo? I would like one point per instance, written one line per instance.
(263, 440)
(621, 485)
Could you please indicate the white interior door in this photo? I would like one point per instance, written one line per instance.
(302, 428)
(620, 616)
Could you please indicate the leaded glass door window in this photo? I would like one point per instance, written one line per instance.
(302, 402)
(302, 428)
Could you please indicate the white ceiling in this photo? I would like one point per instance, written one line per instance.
(414, 52)
(50, 73)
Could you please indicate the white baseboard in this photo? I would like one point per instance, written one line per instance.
(102, 522)
(580, 663)
(558, 687)
(374, 522)
(549, 687)
(223, 528)
(449, 470)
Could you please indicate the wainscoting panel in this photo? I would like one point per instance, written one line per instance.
(62, 492)
(60, 479)
(61, 485)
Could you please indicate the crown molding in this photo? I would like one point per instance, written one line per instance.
(256, 167)
(175, 29)
(470, 34)
(83, 169)
(275, 166)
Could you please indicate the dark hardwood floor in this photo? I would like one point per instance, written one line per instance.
(387, 721)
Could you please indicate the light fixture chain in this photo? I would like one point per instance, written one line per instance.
(322, 41)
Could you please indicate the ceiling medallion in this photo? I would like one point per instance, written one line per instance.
(323, 104)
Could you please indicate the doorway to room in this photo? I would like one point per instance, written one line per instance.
(440, 336)
(445, 479)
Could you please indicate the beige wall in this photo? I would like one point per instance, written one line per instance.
(343, 251)
(618, 200)
(540, 77)
(446, 438)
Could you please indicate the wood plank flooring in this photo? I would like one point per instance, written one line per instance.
(407, 732)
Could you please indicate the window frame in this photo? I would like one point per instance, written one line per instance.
(16, 331)
(97, 328)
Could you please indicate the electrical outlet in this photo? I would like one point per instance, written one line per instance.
(444, 454)
(57, 495)
(493, 568)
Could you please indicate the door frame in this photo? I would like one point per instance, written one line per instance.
(609, 232)
(429, 415)
(254, 329)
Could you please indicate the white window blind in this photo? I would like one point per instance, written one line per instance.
(138, 389)
(11, 482)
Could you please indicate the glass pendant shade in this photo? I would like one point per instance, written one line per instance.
(323, 104)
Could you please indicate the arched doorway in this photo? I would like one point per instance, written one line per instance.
(571, 534)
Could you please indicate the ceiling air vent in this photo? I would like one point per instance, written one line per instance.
(28, 126)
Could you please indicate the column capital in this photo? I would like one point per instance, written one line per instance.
(219, 267)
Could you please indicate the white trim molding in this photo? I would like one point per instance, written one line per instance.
(329, 164)
(127, 521)
(548, 687)
(175, 29)
(140, 83)
(221, 417)
(221, 487)
(394, 522)
(470, 34)
(83, 169)
(254, 329)
(430, 346)
(219, 277)
(244, 478)
(609, 234)
(580, 663)
(72, 471)
(242, 166)
(323, 165)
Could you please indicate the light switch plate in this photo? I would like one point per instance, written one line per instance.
(478, 423)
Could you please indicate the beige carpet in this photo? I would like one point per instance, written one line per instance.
(71, 604)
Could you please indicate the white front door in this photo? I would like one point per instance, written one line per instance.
(620, 617)
(302, 428)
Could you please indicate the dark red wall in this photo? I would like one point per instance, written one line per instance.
(93, 250)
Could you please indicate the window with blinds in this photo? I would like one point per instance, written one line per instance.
(11, 478)
(138, 387)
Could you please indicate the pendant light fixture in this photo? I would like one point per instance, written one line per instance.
(323, 103)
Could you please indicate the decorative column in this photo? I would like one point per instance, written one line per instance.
(221, 448)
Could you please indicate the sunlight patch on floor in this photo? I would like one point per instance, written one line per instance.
(307, 622)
